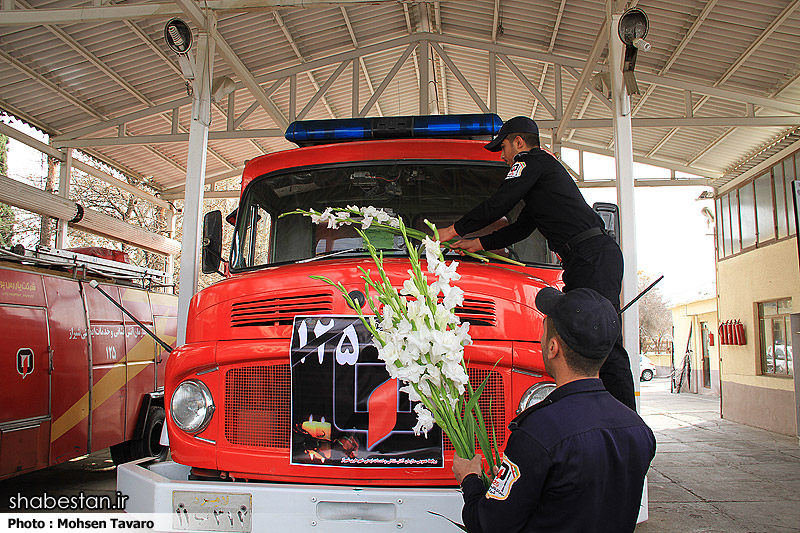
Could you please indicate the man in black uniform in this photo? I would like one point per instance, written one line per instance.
(554, 206)
(575, 461)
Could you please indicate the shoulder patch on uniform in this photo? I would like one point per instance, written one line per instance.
(516, 170)
(506, 477)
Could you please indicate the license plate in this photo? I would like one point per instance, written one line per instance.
(212, 511)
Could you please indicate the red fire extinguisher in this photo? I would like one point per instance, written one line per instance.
(740, 333)
(721, 333)
(729, 331)
(735, 332)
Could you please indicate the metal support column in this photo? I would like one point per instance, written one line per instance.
(169, 266)
(424, 77)
(195, 180)
(64, 180)
(623, 157)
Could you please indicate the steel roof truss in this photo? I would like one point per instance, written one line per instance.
(460, 77)
(389, 77)
(530, 86)
(322, 90)
(363, 66)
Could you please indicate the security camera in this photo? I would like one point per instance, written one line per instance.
(641, 44)
(633, 27)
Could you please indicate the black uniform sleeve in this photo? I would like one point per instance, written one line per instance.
(510, 192)
(515, 232)
(509, 504)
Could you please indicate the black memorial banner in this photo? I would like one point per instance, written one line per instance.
(346, 410)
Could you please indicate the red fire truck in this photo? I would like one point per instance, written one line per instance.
(79, 375)
(273, 424)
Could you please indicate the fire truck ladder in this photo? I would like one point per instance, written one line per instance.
(81, 266)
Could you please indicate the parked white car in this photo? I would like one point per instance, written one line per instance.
(647, 368)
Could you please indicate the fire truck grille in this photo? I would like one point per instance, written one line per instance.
(279, 310)
(477, 312)
(492, 401)
(257, 406)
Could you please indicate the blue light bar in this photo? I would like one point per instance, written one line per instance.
(308, 132)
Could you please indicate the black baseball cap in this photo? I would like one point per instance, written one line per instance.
(514, 125)
(584, 319)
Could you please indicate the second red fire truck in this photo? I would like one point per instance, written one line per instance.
(79, 375)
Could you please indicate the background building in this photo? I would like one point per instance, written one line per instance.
(758, 283)
(696, 346)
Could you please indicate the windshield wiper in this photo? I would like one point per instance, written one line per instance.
(329, 254)
(347, 251)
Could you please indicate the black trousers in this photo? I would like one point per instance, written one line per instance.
(596, 263)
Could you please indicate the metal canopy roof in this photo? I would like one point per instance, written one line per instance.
(719, 89)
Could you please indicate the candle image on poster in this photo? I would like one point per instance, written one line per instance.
(346, 410)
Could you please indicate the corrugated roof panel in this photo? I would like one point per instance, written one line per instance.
(731, 28)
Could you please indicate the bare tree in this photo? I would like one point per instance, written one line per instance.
(7, 218)
(655, 320)
(21, 227)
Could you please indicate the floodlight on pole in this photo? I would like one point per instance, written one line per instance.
(633, 27)
(178, 36)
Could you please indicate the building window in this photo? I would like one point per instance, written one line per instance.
(722, 223)
(788, 177)
(776, 339)
(780, 201)
(765, 212)
(736, 235)
(747, 216)
(759, 211)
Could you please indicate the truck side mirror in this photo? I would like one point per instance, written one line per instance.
(212, 242)
(610, 215)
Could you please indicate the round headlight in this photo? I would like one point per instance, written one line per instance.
(535, 394)
(192, 406)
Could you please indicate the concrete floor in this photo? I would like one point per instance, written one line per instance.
(93, 474)
(711, 474)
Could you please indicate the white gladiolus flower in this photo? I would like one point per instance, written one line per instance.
(412, 393)
(389, 353)
(447, 272)
(453, 296)
(453, 371)
(326, 216)
(410, 289)
(432, 253)
(443, 317)
(417, 311)
(410, 373)
(463, 333)
(425, 388)
(343, 217)
(424, 420)
(403, 327)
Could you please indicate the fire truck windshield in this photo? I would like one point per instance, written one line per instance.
(438, 191)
